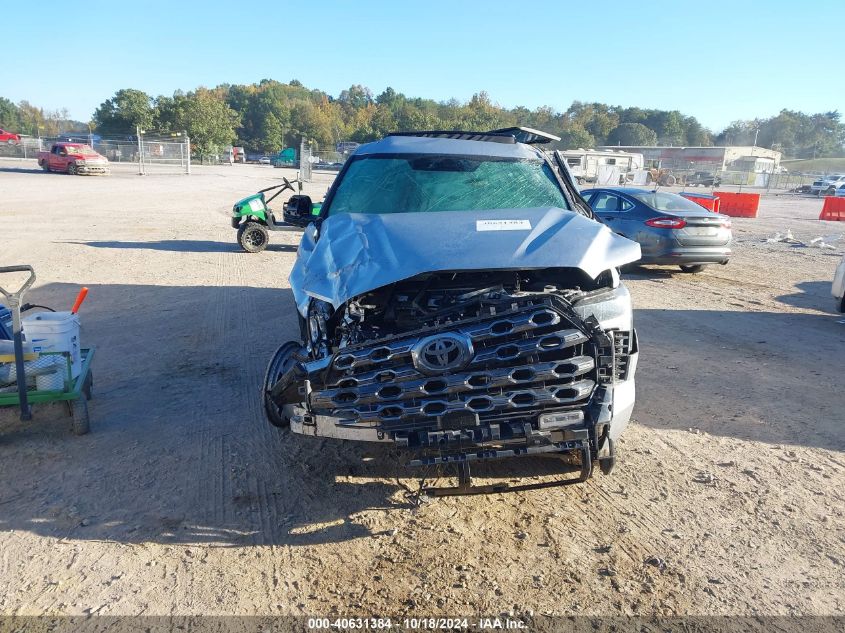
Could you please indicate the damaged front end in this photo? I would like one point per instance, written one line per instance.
(464, 365)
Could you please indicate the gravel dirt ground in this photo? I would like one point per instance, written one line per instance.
(727, 497)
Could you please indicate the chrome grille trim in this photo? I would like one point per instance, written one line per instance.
(459, 383)
(472, 402)
(526, 361)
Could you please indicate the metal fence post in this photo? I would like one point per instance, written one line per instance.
(188, 152)
(140, 152)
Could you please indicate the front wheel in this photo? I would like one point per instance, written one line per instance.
(72, 169)
(281, 362)
(253, 237)
(695, 268)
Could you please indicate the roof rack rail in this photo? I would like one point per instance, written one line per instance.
(527, 135)
(462, 135)
(508, 135)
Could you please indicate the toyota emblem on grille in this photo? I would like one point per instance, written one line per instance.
(441, 353)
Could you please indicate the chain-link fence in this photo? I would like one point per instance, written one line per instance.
(152, 153)
(700, 175)
(28, 147)
(164, 152)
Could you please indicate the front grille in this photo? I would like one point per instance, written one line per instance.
(526, 360)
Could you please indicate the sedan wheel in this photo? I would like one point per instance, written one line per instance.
(695, 268)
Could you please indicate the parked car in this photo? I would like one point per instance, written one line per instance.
(840, 191)
(669, 228)
(828, 185)
(9, 137)
(838, 288)
(704, 178)
(467, 308)
(326, 166)
(73, 159)
(264, 160)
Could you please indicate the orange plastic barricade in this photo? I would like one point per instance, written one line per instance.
(833, 209)
(738, 205)
(711, 203)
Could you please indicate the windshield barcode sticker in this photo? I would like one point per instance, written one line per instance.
(502, 225)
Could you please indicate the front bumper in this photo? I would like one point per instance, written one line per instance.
(537, 383)
(612, 407)
(90, 170)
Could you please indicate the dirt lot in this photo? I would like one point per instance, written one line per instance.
(727, 498)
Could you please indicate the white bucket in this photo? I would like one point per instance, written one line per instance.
(55, 332)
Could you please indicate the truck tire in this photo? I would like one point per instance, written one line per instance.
(72, 169)
(79, 410)
(44, 165)
(253, 237)
(278, 365)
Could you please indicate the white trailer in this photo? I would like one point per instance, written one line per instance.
(605, 167)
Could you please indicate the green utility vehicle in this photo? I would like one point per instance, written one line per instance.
(254, 219)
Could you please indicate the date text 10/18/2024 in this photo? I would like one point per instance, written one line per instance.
(418, 624)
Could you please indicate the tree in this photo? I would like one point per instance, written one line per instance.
(668, 125)
(574, 136)
(596, 118)
(356, 97)
(125, 111)
(10, 118)
(696, 134)
(210, 123)
(631, 134)
(268, 115)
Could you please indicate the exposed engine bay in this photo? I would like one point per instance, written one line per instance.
(465, 365)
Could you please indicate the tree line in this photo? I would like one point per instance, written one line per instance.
(270, 115)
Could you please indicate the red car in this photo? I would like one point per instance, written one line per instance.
(9, 137)
(73, 159)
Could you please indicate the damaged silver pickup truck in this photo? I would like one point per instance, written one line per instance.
(457, 298)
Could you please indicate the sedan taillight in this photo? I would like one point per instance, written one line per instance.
(666, 223)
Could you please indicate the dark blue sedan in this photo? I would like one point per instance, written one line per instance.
(669, 228)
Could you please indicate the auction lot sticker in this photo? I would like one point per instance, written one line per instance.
(502, 225)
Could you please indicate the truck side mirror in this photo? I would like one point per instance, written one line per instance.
(297, 211)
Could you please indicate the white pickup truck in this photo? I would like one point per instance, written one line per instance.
(828, 184)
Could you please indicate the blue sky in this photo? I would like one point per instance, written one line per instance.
(718, 61)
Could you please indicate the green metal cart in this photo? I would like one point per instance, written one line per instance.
(47, 376)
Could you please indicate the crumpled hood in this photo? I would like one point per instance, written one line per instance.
(357, 253)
